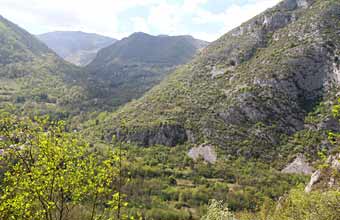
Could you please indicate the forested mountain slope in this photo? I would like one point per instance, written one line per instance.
(249, 90)
(133, 65)
(33, 78)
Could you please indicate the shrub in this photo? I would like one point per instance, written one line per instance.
(217, 210)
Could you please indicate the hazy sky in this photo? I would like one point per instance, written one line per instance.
(204, 19)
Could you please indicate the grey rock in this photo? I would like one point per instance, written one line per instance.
(304, 3)
(299, 166)
(168, 135)
(294, 4)
(289, 5)
(276, 21)
(217, 72)
(331, 182)
(336, 69)
(334, 161)
(206, 151)
(313, 180)
(329, 123)
(325, 177)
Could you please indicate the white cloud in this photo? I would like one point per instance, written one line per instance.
(171, 19)
(104, 16)
(236, 14)
(192, 5)
(100, 16)
(165, 18)
(140, 24)
(207, 36)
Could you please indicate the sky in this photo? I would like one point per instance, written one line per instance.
(203, 19)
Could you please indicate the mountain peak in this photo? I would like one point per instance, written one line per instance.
(76, 47)
(139, 34)
(134, 64)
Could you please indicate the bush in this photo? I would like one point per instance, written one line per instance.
(315, 205)
(50, 173)
(217, 210)
(167, 214)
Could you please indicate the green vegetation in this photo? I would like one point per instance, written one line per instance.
(297, 205)
(315, 205)
(320, 204)
(261, 100)
(54, 172)
(167, 179)
(47, 173)
(127, 69)
(218, 211)
(260, 95)
(33, 80)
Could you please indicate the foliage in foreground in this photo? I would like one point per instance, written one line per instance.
(315, 205)
(47, 173)
(298, 205)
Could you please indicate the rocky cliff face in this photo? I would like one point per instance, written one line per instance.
(327, 177)
(168, 135)
(250, 87)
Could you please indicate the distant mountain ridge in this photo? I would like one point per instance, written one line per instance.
(130, 67)
(142, 47)
(34, 78)
(75, 46)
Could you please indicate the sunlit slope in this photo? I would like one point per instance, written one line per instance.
(247, 90)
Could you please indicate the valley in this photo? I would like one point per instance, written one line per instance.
(161, 127)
